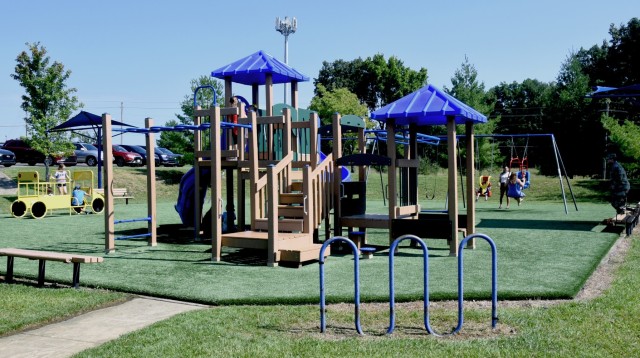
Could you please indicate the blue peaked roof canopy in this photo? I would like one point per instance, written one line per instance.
(428, 106)
(611, 92)
(252, 70)
(84, 120)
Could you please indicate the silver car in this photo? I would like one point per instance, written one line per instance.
(86, 153)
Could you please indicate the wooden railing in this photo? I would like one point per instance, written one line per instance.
(318, 189)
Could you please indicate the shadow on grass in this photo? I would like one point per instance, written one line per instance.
(537, 224)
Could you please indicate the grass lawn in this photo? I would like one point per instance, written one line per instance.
(542, 253)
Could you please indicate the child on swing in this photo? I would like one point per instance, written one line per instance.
(485, 188)
(514, 189)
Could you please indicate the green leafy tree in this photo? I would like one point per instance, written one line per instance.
(571, 116)
(340, 100)
(375, 81)
(326, 103)
(624, 137)
(182, 142)
(466, 87)
(47, 101)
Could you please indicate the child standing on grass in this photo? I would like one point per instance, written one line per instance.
(504, 180)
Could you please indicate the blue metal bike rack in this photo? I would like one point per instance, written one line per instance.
(356, 272)
(494, 283)
(392, 299)
(425, 254)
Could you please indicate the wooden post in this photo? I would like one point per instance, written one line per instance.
(268, 87)
(216, 184)
(109, 219)
(362, 169)
(471, 184)
(272, 193)
(228, 91)
(197, 146)
(255, 95)
(254, 173)
(294, 94)
(151, 185)
(337, 183)
(453, 187)
(313, 140)
(413, 171)
(391, 174)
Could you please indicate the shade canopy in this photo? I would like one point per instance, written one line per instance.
(611, 92)
(428, 106)
(84, 120)
(253, 69)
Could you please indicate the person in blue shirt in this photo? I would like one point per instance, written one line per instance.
(77, 196)
(514, 189)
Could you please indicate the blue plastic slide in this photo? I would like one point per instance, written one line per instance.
(185, 205)
(345, 174)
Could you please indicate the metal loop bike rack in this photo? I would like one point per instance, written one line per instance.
(425, 254)
(494, 283)
(392, 299)
(356, 272)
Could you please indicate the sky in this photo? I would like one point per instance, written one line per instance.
(136, 59)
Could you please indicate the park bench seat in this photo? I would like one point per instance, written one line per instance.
(118, 193)
(43, 257)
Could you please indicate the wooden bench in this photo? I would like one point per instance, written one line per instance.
(43, 257)
(118, 193)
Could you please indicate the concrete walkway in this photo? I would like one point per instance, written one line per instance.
(92, 329)
(7, 185)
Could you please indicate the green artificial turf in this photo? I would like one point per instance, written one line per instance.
(542, 253)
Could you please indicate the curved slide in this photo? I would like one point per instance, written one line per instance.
(185, 205)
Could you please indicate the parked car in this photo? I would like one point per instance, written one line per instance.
(122, 157)
(7, 158)
(178, 157)
(164, 159)
(87, 153)
(25, 154)
(143, 152)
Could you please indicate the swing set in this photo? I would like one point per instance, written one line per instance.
(521, 163)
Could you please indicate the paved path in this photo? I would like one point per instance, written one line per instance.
(7, 185)
(92, 329)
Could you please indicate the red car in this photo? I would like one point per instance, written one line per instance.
(25, 154)
(122, 157)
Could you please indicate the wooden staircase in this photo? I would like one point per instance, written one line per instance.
(295, 245)
(289, 198)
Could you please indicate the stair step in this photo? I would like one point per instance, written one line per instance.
(291, 198)
(284, 225)
(259, 239)
(302, 252)
(290, 212)
(296, 186)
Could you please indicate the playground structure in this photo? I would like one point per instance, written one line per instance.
(40, 197)
(272, 155)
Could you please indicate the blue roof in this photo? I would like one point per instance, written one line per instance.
(253, 69)
(428, 106)
(84, 120)
(610, 92)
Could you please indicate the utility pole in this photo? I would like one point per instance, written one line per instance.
(286, 27)
(121, 119)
